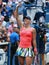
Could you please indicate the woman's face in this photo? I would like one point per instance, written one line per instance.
(27, 21)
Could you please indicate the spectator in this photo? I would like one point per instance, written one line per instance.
(29, 8)
(3, 10)
(40, 39)
(13, 18)
(5, 13)
(14, 39)
(3, 39)
(4, 34)
(39, 3)
(38, 16)
(9, 2)
(3, 22)
(10, 28)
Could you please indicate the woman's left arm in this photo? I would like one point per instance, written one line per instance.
(34, 41)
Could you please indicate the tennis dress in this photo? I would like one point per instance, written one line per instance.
(25, 46)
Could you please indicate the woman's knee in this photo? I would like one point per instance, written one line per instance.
(21, 60)
(29, 60)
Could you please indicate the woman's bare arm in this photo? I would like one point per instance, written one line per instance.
(34, 37)
(17, 17)
(34, 41)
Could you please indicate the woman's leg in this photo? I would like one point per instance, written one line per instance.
(29, 60)
(42, 56)
(21, 60)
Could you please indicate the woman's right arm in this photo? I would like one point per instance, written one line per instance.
(17, 17)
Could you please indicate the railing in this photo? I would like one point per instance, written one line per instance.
(8, 51)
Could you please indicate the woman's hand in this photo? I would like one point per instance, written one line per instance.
(35, 51)
(19, 4)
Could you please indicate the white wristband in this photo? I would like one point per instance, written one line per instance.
(17, 6)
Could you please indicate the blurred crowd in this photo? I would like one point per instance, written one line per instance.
(8, 17)
(33, 8)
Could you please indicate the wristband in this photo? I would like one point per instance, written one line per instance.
(17, 6)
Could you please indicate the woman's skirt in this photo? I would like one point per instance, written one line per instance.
(24, 52)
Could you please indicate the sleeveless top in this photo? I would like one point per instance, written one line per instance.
(25, 37)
